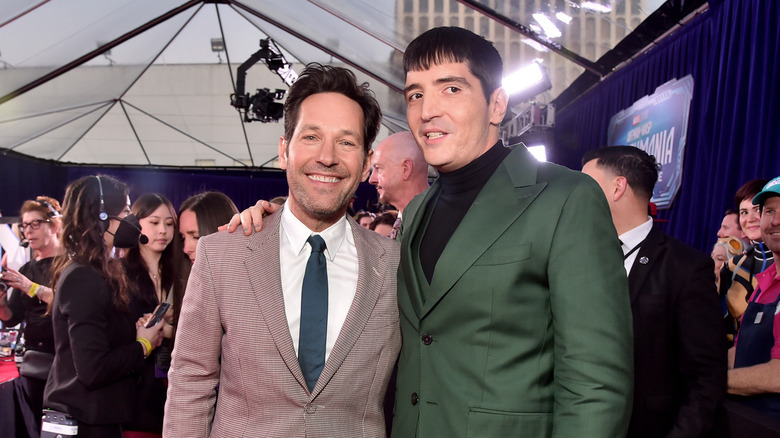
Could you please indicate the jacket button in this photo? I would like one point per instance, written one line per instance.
(427, 339)
(415, 399)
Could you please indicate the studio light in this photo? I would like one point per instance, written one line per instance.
(563, 17)
(596, 7)
(218, 46)
(550, 29)
(539, 151)
(526, 82)
(535, 45)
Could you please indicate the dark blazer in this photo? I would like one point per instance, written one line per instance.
(96, 360)
(524, 329)
(679, 340)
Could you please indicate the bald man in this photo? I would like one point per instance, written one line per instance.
(399, 170)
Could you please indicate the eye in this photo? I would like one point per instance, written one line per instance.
(413, 96)
(452, 89)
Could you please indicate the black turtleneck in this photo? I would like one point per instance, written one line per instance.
(459, 188)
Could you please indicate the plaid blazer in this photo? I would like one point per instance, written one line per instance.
(233, 333)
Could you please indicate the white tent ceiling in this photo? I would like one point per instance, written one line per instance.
(135, 82)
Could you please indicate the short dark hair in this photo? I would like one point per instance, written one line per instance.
(454, 44)
(731, 211)
(387, 218)
(638, 167)
(749, 190)
(317, 78)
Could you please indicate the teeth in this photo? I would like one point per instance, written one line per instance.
(432, 135)
(324, 178)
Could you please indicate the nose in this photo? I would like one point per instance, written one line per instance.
(327, 156)
(373, 178)
(429, 107)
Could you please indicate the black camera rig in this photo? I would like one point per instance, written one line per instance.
(264, 106)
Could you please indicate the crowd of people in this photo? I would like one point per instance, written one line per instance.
(508, 297)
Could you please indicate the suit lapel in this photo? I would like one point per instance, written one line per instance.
(648, 255)
(505, 196)
(372, 270)
(264, 275)
(414, 214)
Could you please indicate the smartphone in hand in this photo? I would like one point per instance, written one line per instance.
(158, 314)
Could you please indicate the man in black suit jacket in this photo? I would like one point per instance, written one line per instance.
(679, 341)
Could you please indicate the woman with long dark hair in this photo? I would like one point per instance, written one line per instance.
(99, 351)
(152, 269)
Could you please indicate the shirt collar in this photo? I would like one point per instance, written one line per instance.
(766, 278)
(636, 235)
(297, 233)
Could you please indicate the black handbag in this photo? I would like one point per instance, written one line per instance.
(36, 364)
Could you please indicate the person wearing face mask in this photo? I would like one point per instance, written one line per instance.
(99, 351)
(152, 270)
(32, 292)
(738, 277)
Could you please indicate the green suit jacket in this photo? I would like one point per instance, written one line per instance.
(525, 329)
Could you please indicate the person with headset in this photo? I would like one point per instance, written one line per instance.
(32, 292)
(99, 350)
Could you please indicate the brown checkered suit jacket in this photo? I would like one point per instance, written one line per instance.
(233, 332)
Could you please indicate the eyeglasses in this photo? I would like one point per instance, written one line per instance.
(36, 224)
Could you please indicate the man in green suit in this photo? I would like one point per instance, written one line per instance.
(513, 298)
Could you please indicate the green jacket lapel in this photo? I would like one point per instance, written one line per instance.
(413, 221)
(504, 198)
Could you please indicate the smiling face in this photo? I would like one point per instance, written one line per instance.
(448, 115)
(750, 219)
(324, 159)
(159, 228)
(770, 225)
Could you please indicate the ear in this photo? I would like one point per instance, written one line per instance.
(407, 166)
(282, 153)
(366, 165)
(55, 226)
(620, 186)
(499, 101)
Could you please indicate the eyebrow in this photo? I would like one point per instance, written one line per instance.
(446, 79)
(318, 128)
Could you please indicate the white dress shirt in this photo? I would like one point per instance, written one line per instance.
(342, 263)
(632, 239)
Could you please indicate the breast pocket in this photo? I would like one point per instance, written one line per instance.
(503, 253)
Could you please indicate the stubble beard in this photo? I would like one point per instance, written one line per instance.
(316, 208)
